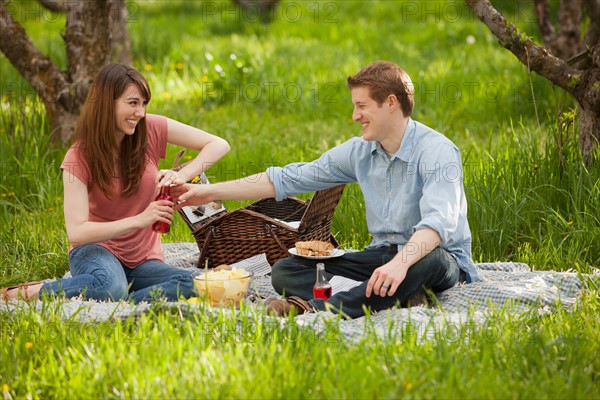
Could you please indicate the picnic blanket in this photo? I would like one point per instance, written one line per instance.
(503, 284)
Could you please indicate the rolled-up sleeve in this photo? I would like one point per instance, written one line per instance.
(331, 169)
(290, 180)
(443, 197)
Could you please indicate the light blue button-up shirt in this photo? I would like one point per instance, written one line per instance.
(420, 186)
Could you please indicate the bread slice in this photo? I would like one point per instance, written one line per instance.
(314, 248)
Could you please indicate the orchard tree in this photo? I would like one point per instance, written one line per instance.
(570, 57)
(96, 34)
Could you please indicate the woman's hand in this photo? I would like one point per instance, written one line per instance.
(157, 211)
(168, 177)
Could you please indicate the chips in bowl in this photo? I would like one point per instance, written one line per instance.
(223, 287)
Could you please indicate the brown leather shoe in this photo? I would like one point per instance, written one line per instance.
(282, 307)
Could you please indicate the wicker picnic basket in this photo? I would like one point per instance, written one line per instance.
(261, 228)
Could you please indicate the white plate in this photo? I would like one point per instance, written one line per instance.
(334, 253)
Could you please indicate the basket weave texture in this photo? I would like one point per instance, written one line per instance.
(259, 228)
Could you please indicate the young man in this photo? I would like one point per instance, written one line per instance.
(411, 178)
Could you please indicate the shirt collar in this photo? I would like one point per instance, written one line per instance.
(408, 141)
(406, 146)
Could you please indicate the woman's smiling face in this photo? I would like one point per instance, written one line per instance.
(130, 108)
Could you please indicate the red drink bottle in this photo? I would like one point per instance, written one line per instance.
(159, 226)
(322, 288)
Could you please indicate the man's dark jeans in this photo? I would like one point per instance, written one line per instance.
(295, 276)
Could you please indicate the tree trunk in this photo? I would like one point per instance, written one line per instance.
(588, 122)
(121, 42)
(565, 43)
(583, 82)
(89, 43)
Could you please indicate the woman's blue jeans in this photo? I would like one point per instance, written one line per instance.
(295, 276)
(97, 274)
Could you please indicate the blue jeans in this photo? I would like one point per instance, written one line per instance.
(97, 274)
(295, 276)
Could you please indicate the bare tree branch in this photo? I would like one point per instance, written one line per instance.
(579, 75)
(91, 29)
(45, 77)
(537, 58)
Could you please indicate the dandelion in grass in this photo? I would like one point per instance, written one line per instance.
(201, 109)
(179, 66)
(187, 158)
(5, 393)
(166, 95)
(28, 345)
(148, 67)
(204, 79)
(570, 223)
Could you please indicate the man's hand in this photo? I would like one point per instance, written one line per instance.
(190, 194)
(386, 279)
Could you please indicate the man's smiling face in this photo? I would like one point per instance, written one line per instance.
(376, 119)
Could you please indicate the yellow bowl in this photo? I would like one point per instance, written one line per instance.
(223, 288)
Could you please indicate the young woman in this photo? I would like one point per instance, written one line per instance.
(111, 178)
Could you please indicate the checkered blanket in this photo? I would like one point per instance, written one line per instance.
(504, 285)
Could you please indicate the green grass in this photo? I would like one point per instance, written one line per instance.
(170, 353)
(281, 97)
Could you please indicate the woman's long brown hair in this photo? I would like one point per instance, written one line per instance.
(95, 136)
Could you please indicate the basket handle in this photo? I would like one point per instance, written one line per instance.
(205, 246)
(275, 237)
(178, 158)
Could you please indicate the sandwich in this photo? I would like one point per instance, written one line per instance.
(314, 248)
